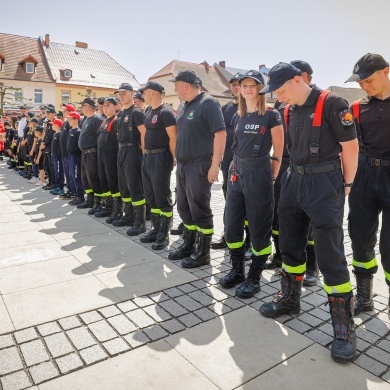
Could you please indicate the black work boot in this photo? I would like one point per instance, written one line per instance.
(162, 239)
(312, 271)
(127, 218)
(88, 203)
(286, 301)
(344, 337)
(151, 235)
(364, 294)
(116, 212)
(236, 274)
(139, 221)
(106, 210)
(251, 285)
(220, 244)
(179, 230)
(201, 256)
(275, 260)
(97, 205)
(187, 248)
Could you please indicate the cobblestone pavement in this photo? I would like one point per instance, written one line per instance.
(37, 354)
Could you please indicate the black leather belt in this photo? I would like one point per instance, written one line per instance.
(90, 150)
(152, 151)
(374, 162)
(125, 144)
(316, 168)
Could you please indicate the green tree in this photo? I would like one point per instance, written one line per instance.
(6, 95)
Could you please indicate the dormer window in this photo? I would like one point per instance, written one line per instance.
(29, 63)
(30, 67)
(67, 73)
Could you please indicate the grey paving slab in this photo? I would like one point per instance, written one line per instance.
(91, 316)
(69, 322)
(26, 335)
(166, 363)
(109, 311)
(137, 338)
(47, 303)
(59, 222)
(21, 226)
(93, 354)
(102, 331)
(49, 328)
(58, 345)
(127, 306)
(130, 282)
(15, 381)
(10, 361)
(31, 238)
(116, 346)
(81, 338)
(6, 324)
(157, 313)
(316, 359)
(34, 352)
(239, 358)
(69, 363)
(140, 318)
(43, 372)
(6, 341)
(122, 324)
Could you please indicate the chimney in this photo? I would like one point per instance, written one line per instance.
(206, 65)
(82, 45)
(222, 64)
(47, 40)
(261, 66)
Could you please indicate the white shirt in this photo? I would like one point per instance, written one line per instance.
(22, 124)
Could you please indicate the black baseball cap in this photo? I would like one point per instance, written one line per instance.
(30, 114)
(22, 108)
(34, 120)
(101, 100)
(154, 85)
(7, 123)
(89, 101)
(367, 66)
(252, 74)
(124, 87)
(111, 100)
(39, 128)
(138, 96)
(235, 77)
(60, 113)
(303, 66)
(187, 76)
(50, 109)
(280, 74)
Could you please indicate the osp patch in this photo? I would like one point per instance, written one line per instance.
(154, 119)
(346, 117)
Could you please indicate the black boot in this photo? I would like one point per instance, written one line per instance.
(104, 211)
(88, 203)
(139, 221)
(162, 239)
(364, 295)
(251, 285)
(97, 205)
(151, 235)
(187, 248)
(275, 260)
(236, 275)
(179, 230)
(286, 301)
(344, 338)
(127, 218)
(116, 213)
(220, 244)
(201, 256)
(311, 275)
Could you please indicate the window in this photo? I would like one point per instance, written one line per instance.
(30, 67)
(65, 97)
(38, 96)
(67, 73)
(18, 96)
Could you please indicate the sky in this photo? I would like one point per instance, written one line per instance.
(144, 36)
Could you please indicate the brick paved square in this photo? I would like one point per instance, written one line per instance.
(81, 338)
(200, 284)
(320, 314)
(362, 345)
(173, 292)
(127, 306)
(109, 311)
(385, 345)
(93, 354)
(327, 328)
(310, 320)
(216, 293)
(17, 380)
(69, 363)
(10, 361)
(143, 301)
(43, 372)
(212, 279)
(189, 303)
(6, 341)
(376, 326)
(25, 335)
(136, 339)
(173, 308)
(202, 297)
(306, 306)
(219, 308)
(159, 297)
(102, 331)
(380, 355)
(155, 332)
(371, 365)
(205, 314)
(283, 318)
(70, 323)
(173, 326)
(50, 328)
(315, 299)
(199, 273)
(122, 324)
(34, 352)
(116, 346)
(140, 318)
(367, 335)
(234, 303)
(298, 325)
(186, 288)
(58, 344)
(319, 337)
(92, 316)
(157, 313)
(190, 320)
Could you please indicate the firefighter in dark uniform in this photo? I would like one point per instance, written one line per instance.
(200, 144)
(89, 166)
(250, 187)
(157, 165)
(30, 137)
(131, 133)
(320, 129)
(46, 146)
(370, 193)
(275, 261)
(107, 149)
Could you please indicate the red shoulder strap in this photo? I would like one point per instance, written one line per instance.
(356, 110)
(110, 124)
(317, 119)
(286, 109)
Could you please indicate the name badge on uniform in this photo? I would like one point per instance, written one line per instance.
(126, 118)
(154, 119)
(191, 115)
